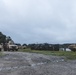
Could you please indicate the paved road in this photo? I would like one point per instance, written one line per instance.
(19, 63)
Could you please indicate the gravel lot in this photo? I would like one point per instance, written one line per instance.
(19, 63)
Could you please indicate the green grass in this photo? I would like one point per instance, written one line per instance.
(1, 54)
(68, 55)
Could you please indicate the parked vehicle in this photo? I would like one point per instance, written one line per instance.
(12, 48)
(72, 47)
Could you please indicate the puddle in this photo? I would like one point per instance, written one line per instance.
(61, 60)
(12, 68)
(20, 67)
(33, 65)
(7, 68)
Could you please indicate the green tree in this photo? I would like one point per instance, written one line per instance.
(8, 38)
(2, 38)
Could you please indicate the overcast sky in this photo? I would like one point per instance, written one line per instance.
(39, 21)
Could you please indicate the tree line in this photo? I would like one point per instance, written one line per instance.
(44, 46)
(4, 39)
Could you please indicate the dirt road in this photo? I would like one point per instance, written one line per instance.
(19, 63)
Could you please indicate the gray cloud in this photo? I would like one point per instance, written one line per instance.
(27, 21)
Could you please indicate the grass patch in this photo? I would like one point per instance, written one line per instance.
(1, 54)
(68, 55)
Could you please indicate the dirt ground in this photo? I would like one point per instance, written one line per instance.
(19, 63)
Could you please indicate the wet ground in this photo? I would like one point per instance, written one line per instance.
(19, 63)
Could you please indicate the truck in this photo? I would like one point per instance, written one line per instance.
(72, 47)
(12, 47)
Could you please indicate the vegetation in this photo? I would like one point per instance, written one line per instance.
(2, 38)
(67, 54)
(1, 54)
(42, 48)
